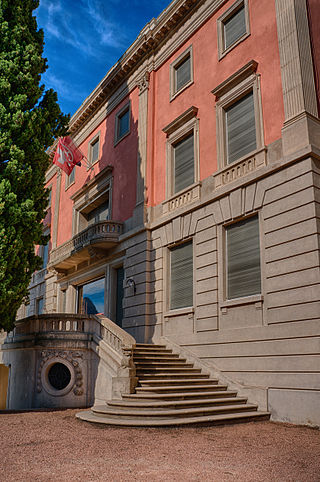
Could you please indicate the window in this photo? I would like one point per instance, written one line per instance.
(45, 255)
(93, 202)
(122, 127)
(240, 128)
(233, 27)
(39, 306)
(181, 73)
(94, 150)
(49, 198)
(182, 152)
(100, 213)
(183, 159)
(91, 297)
(119, 295)
(239, 118)
(181, 276)
(243, 258)
(71, 178)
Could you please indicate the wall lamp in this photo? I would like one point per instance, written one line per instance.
(131, 283)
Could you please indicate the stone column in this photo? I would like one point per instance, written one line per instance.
(56, 211)
(301, 126)
(143, 85)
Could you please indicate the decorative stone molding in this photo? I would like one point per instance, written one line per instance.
(143, 83)
(182, 199)
(240, 169)
(68, 358)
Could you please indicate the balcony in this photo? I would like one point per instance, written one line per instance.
(93, 241)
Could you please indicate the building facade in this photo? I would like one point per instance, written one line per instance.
(197, 222)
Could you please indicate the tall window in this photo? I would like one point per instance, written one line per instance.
(240, 128)
(100, 213)
(183, 163)
(243, 258)
(91, 297)
(233, 26)
(94, 150)
(181, 73)
(39, 306)
(181, 276)
(71, 179)
(122, 126)
(119, 295)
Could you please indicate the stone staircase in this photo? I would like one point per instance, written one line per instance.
(171, 391)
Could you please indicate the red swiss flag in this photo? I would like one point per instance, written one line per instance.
(67, 155)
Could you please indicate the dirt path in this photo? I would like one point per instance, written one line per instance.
(54, 446)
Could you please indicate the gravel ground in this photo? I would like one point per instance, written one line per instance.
(55, 446)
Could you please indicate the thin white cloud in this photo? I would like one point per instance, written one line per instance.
(64, 89)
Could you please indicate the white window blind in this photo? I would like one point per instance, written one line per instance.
(183, 163)
(234, 27)
(241, 128)
(181, 281)
(183, 73)
(243, 258)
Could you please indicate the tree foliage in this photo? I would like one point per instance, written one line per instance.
(30, 120)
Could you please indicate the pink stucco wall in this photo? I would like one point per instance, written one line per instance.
(209, 72)
(123, 158)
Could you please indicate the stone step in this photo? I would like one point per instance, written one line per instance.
(173, 376)
(109, 411)
(176, 403)
(180, 388)
(167, 369)
(216, 419)
(164, 357)
(172, 363)
(177, 382)
(181, 395)
(149, 346)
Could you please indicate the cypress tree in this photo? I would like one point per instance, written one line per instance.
(30, 120)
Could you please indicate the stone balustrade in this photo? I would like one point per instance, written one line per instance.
(103, 234)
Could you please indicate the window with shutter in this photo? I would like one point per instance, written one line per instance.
(243, 258)
(240, 128)
(233, 26)
(70, 179)
(181, 73)
(183, 163)
(94, 151)
(181, 276)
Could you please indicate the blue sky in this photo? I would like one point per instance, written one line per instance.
(84, 38)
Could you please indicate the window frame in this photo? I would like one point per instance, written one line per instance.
(185, 309)
(119, 115)
(95, 139)
(174, 92)
(225, 237)
(236, 87)
(69, 183)
(232, 10)
(176, 131)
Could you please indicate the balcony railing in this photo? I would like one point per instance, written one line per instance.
(92, 241)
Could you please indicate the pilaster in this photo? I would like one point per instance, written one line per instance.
(301, 126)
(56, 211)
